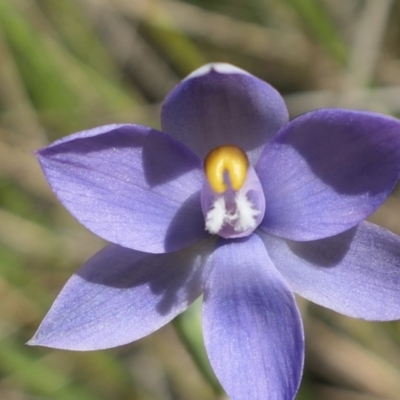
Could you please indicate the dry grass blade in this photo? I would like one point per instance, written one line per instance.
(176, 362)
(341, 361)
(224, 31)
(34, 240)
(324, 392)
(132, 53)
(20, 113)
(383, 99)
(371, 26)
(366, 48)
(19, 165)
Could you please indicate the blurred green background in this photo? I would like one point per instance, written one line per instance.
(68, 65)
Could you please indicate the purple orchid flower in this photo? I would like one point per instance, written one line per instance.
(233, 201)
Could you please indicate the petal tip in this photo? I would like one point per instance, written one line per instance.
(39, 152)
(35, 341)
(222, 68)
(38, 340)
(31, 342)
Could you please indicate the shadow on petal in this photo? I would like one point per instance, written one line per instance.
(127, 185)
(186, 225)
(361, 281)
(121, 295)
(161, 155)
(327, 252)
(160, 159)
(363, 149)
(214, 109)
(171, 278)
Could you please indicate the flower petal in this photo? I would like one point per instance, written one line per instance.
(121, 295)
(131, 185)
(356, 273)
(326, 171)
(252, 328)
(220, 104)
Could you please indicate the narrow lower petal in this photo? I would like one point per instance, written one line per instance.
(131, 185)
(356, 273)
(121, 295)
(327, 170)
(252, 328)
(220, 104)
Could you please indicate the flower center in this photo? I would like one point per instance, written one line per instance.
(226, 159)
(232, 198)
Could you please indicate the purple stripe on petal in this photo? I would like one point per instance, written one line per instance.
(131, 185)
(326, 171)
(220, 104)
(252, 328)
(356, 273)
(121, 295)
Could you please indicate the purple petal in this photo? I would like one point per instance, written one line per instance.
(219, 104)
(356, 273)
(121, 295)
(326, 171)
(131, 185)
(252, 328)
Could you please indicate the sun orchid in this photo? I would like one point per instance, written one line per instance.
(233, 201)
